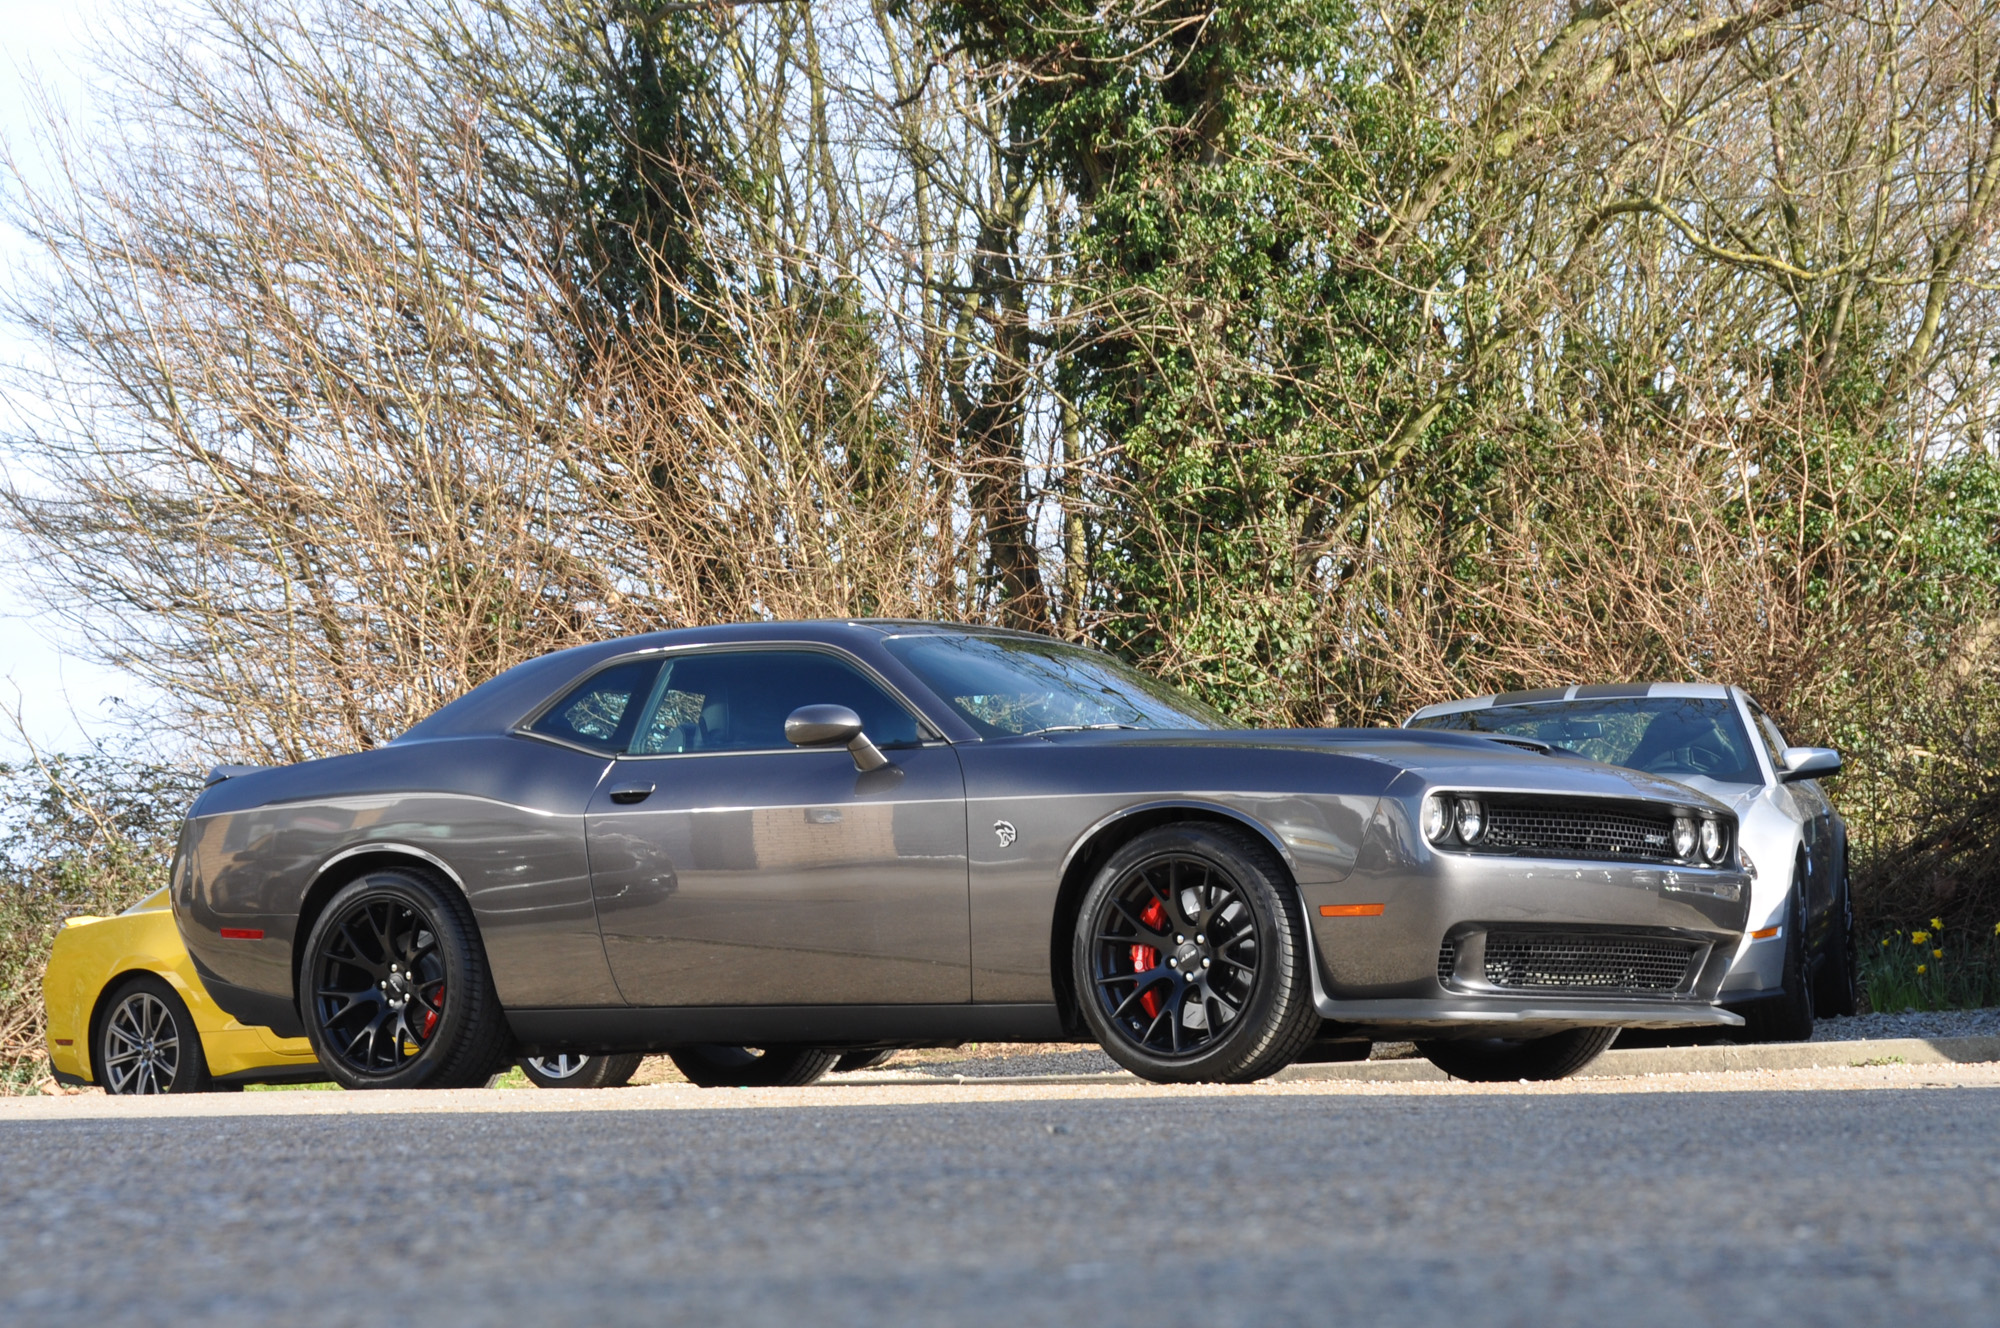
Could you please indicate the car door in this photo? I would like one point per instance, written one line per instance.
(1808, 801)
(732, 868)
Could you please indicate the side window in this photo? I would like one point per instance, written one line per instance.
(737, 701)
(601, 711)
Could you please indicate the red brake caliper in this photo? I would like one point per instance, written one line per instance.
(431, 1015)
(1145, 957)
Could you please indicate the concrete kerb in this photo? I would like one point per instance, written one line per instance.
(1614, 1064)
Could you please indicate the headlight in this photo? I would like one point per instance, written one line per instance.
(1437, 818)
(1711, 840)
(1684, 836)
(1471, 820)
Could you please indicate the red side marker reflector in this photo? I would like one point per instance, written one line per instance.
(1764, 935)
(242, 934)
(1350, 910)
(65, 1042)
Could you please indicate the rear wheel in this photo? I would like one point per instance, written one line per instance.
(851, 1061)
(397, 992)
(752, 1067)
(1495, 1060)
(572, 1071)
(1787, 1016)
(146, 1042)
(1190, 955)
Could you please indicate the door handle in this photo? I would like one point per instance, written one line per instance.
(628, 793)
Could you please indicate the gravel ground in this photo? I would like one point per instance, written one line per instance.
(1794, 1197)
(1910, 1023)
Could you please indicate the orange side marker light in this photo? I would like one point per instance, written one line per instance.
(1764, 935)
(1350, 910)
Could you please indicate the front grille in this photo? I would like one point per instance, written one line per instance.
(1572, 961)
(1574, 832)
(1447, 960)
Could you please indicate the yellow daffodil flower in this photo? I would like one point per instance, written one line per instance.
(1937, 924)
(1921, 968)
(1919, 937)
(1937, 954)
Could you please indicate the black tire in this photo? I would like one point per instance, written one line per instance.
(850, 1061)
(1788, 1016)
(752, 1067)
(395, 987)
(580, 1071)
(146, 1042)
(1836, 990)
(1218, 905)
(1497, 1060)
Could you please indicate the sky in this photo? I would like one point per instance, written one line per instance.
(63, 697)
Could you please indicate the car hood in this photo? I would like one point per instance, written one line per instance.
(1439, 758)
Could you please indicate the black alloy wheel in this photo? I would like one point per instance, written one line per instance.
(1190, 959)
(1837, 971)
(569, 1070)
(1787, 1016)
(1501, 1060)
(714, 1066)
(146, 1042)
(397, 992)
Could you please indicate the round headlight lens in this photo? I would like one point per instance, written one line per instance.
(1711, 840)
(1684, 835)
(1437, 818)
(1471, 820)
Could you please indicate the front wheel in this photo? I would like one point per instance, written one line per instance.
(752, 1067)
(1498, 1060)
(147, 1043)
(572, 1071)
(1787, 1016)
(396, 991)
(1837, 976)
(1190, 958)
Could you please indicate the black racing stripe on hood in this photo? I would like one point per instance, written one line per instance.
(1539, 694)
(1613, 691)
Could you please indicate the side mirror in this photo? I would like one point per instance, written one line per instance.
(831, 725)
(1795, 763)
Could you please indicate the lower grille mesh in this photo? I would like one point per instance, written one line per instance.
(1544, 961)
(1574, 832)
(1447, 961)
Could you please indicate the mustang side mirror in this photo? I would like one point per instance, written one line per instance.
(826, 725)
(1807, 763)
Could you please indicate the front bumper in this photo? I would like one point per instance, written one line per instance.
(1379, 935)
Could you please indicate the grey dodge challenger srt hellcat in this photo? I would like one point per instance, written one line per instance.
(760, 848)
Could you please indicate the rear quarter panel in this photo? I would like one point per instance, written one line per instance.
(502, 816)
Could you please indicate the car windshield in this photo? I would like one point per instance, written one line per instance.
(1671, 736)
(1006, 686)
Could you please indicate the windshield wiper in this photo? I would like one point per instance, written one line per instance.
(1076, 728)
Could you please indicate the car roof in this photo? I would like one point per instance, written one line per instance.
(498, 703)
(1612, 691)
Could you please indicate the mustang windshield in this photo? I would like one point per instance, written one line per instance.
(1006, 686)
(1662, 735)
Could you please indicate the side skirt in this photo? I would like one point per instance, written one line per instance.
(618, 1029)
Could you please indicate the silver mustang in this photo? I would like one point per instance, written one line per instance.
(1798, 954)
(762, 848)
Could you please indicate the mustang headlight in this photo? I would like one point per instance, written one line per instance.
(1712, 841)
(1471, 820)
(1684, 836)
(1437, 818)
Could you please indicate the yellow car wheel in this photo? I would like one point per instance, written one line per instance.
(146, 1041)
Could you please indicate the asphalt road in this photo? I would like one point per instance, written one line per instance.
(1836, 1197)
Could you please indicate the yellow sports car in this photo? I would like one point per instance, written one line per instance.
(127, 1012)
